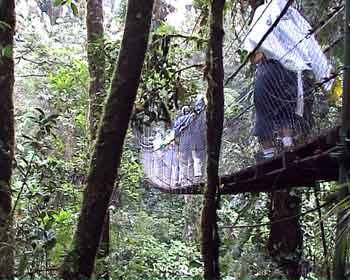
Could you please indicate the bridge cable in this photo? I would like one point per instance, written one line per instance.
(283, 12)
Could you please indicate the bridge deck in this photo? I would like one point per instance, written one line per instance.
(309, 163)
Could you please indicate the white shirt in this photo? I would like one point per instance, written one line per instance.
(289, 43)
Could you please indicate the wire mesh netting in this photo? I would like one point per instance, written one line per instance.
(284, 97)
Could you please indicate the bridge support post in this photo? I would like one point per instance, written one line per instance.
(342, 245)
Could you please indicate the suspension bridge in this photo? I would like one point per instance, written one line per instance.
(283, 128)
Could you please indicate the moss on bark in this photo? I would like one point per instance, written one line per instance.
(214, 123)
(96, 61)
(105, 161)
(7, 17)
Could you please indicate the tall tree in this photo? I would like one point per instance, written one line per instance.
(79, 263)
(214, 123)
(96, 61)
(7, 134)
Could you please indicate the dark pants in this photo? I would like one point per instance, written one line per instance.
(275, 100)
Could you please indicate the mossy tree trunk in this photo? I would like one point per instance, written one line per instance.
(97, 95)
(7, 135)
(214, 124)
(96, 60)
(286, 238)
(79, 263)
(191, 213)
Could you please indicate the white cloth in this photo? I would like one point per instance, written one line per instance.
(197, 164)
(157, 141)
(289, 43)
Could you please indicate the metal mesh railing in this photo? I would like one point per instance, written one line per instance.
(280, 101)
(175, 158)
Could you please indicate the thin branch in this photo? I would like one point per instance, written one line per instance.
(40, 63)
(176, 72)
(24, 184)
(32, 75)
(186, 68)
(194, 38)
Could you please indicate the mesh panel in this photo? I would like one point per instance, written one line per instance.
(179, 160)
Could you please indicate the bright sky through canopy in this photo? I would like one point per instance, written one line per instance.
(178, 17)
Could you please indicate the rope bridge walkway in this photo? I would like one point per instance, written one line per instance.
(281, 122)
(309, 163)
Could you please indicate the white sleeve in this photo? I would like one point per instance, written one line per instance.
(257, 28)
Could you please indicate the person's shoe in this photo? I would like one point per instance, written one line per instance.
(287, 142)
(265, 154)
(268, 153)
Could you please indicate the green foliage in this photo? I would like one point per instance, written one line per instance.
(148, 247)
(122, 9)
(164, 29)
(201, 4)
(148, 258)
(147, 228)
(171, 76)
(44, 195)
(69, 88)
(6, 52)
(68, 79)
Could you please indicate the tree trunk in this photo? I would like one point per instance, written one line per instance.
(97, 95)
(96, 59)
(7, 134)
(214, 123)
(191, 210)
(103, 253)
(79, 263)
(286, 238)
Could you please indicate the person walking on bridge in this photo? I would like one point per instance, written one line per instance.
(287, 63)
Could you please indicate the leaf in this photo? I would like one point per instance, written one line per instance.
(7, 51)
(336, 91)
(4, 25)
(27, 137)
(74, 9)
(40, 111)
(59, 2)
